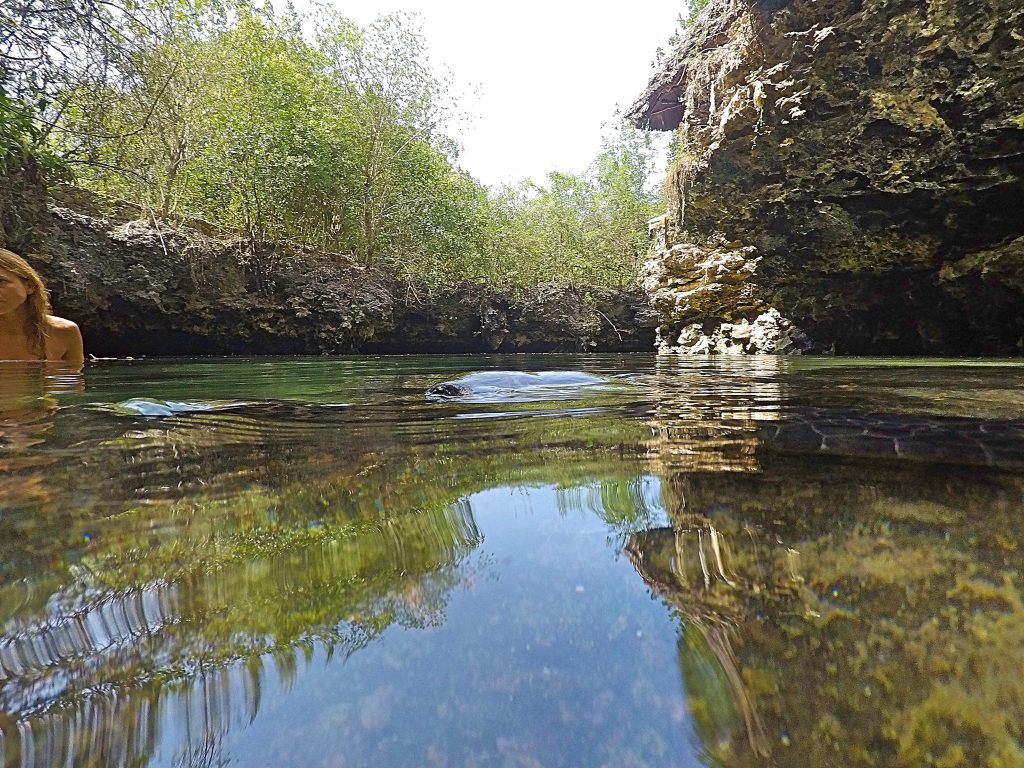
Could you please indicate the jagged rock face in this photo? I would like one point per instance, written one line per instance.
(471, 318)
(140, 288)
(22, 202)
(857, 166)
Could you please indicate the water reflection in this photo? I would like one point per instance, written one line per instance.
(688, 566)
(836, 564)
(842, 554)
(201, 545)
(728, 415)
(102, 661)
(112, 730)
(29, 394)
(858, 616)
(707, 416)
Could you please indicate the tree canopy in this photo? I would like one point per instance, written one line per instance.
(314, 131)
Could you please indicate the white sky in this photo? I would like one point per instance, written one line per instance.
(549, 73)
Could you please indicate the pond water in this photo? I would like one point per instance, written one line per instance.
(663, 562)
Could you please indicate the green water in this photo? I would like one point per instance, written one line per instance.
(791, 562)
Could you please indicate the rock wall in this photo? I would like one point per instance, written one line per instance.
(548, 318)
(23, 215)
(850, 170)
(136, 287)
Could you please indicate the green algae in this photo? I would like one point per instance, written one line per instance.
(974, 707)
(924, 668)
(881, 620)
(923, 512)
(870, 559)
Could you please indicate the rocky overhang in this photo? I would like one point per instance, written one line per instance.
(855, 168)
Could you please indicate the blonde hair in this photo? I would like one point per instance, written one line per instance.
(37, 303)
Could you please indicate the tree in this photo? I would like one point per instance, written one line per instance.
(266, 132)
(625, 200)
(581, 229)
(396, 105)
(337, 140)
(51, 51)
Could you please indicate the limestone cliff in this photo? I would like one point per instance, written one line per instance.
(141, 287)
(849, 170)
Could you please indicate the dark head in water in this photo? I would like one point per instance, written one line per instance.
(509, 384)
(447, 390)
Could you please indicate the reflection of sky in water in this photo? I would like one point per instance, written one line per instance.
(548, 652)
(543, 649)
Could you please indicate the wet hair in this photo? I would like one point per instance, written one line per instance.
(37, 302)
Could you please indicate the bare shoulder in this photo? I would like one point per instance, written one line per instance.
(60, 325)
(64, 340)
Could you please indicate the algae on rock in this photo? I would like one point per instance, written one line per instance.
(867, 156)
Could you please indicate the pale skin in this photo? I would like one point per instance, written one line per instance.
(63, 340)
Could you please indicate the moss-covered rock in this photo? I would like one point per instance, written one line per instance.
(868, 155)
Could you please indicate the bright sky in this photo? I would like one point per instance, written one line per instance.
(549, 73)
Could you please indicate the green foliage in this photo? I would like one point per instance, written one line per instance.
(336, 139)
(588, 229)
(17, 133)
(52, 52)
(694, 7)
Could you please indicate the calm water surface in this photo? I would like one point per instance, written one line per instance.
(790, 562)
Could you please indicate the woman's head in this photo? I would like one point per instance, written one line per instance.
(19, 281)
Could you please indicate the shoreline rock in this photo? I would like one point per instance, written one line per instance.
(143, 288)
(856, 166)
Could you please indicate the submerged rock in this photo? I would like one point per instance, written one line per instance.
(857, 168)
(927, 439)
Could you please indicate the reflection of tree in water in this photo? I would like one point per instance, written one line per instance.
(110, 484)
(626, 504)
(94, 676)
(98, 465)
(833, 613)
(109, 729)
(223, 542)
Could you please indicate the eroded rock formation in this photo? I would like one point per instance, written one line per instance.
(855, 167)
(139, 287)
